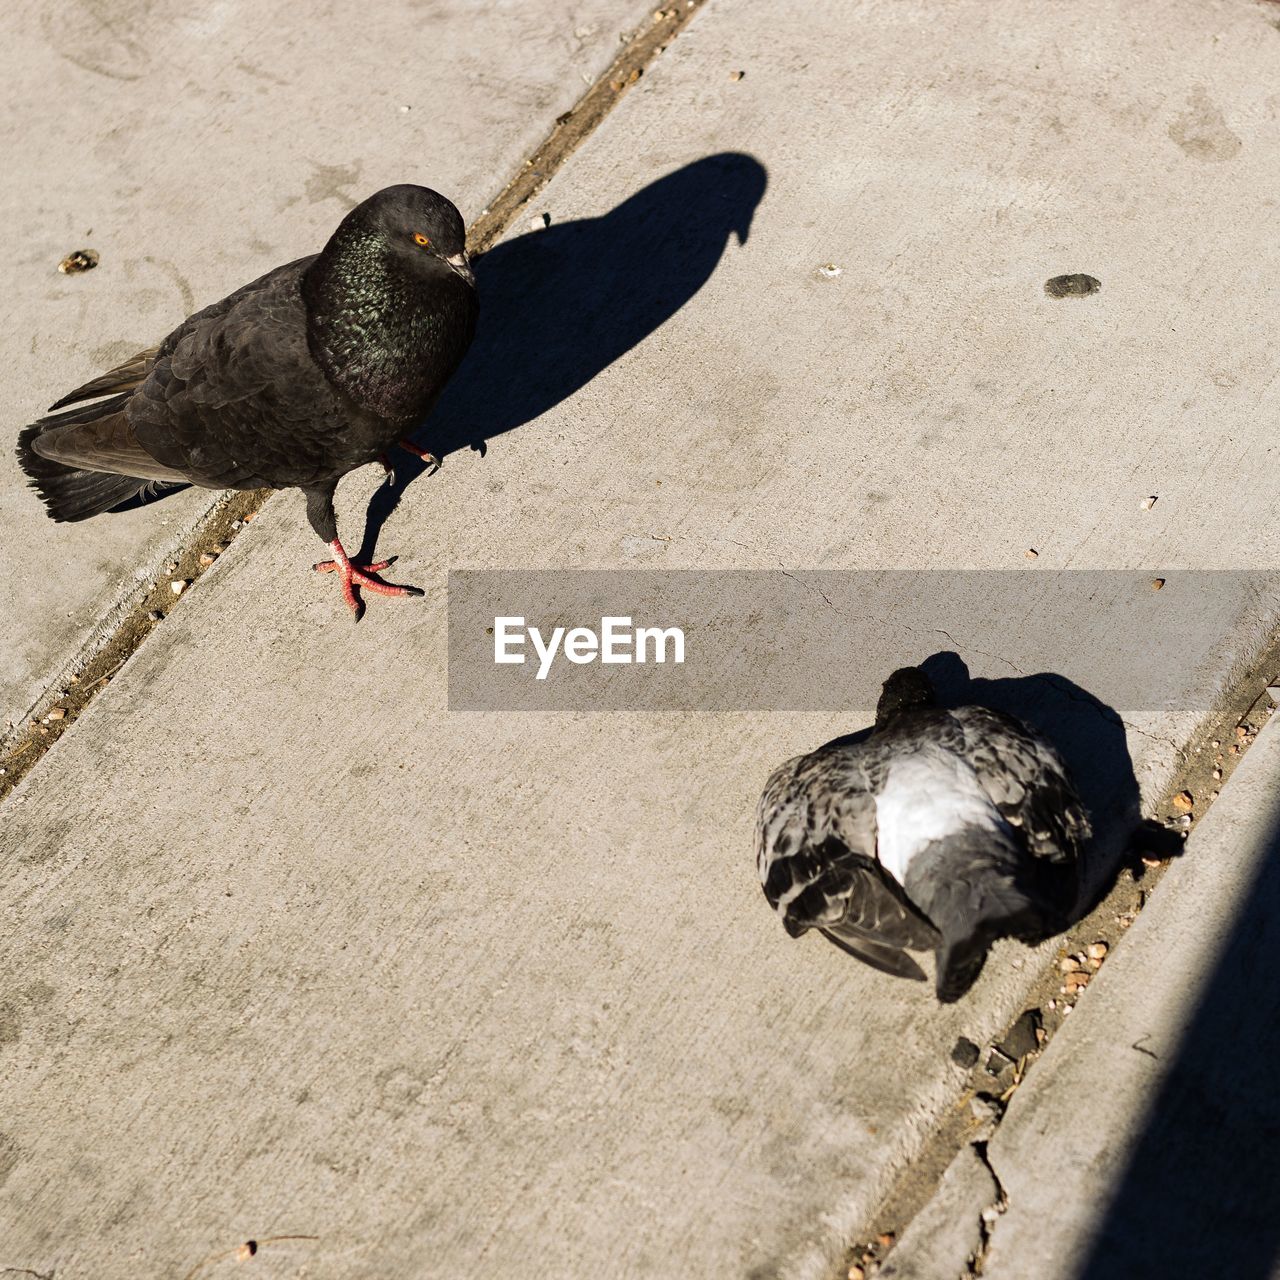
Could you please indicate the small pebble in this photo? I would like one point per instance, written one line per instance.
(736, 75)
(965, 1053)
(404, 108)
(1157, 583)
(246, 1251)
(207, 558)
(178, 586)
(1097, 950)
(1215, 743)
(885, 1239)
(1216, 774)
(1184, 821)
(1241, 731)
(155, 615)
(1184, 801)
(1031, 553)
(830, 270)
(57, 713)
(1148, 503)
(1150, 862)
(857, 1273)
(539, 222)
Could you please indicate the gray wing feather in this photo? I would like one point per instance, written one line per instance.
(1026, 780)
(816, 857)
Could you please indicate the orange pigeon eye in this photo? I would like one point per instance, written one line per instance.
(421, 239)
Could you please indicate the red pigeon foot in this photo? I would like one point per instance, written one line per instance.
(355, 575)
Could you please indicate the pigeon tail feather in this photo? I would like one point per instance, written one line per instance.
(969, 885)
(71, 493)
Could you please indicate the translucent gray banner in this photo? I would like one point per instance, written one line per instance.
(747, 640)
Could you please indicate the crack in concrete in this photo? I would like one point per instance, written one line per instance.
(991, 1214)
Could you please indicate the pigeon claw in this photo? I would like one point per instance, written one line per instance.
(354, 575)
(426, 455)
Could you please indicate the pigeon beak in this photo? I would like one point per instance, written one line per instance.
(462, 265)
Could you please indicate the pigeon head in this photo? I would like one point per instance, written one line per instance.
(391, 301)
(906, 689)
(409, 224)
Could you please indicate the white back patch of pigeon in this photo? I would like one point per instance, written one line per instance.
(926, 797)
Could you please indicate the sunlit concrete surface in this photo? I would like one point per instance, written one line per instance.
(296, 951)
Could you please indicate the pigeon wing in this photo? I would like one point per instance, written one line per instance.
(234, 398)
(1026, 780)
(815, 851)
(124, 377)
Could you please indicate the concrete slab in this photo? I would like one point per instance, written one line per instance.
(195, 147)
(297, 952)
(1144, 1142)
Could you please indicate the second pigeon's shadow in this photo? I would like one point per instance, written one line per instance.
(560, 304)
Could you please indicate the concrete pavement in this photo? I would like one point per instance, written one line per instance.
(297, 952)
(195, 149)
(1143, 1143)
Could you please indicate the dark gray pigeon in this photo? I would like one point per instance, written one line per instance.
(942, 831)
(314, 369)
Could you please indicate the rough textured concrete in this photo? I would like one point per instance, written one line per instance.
(1144, 1144)
(296, 951)
(949, 1230)
(195, 147)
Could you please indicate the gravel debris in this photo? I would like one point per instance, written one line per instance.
(1157, 583)
(965, 1053)
(736, 75)
(830, 271)
(179, 585)
(1031, 553)
(207, 558)
(1098, 950)
(1022, 1038)
(1184, 801)
(57, 713)
(1149, 502)
(155, 615)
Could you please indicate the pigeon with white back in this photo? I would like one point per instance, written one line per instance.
(942, 831)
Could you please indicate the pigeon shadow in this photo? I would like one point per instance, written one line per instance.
(560, 304)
